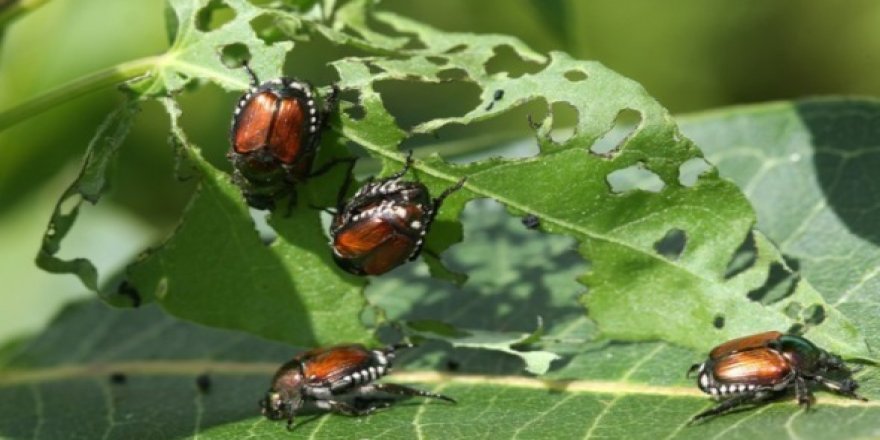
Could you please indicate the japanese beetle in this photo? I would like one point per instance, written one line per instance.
(755, 368)
(339, 379)
(384, 224)
(276, 129)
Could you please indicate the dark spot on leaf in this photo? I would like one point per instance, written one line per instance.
(507, 60)
(266, 30)
(203, 383)
(235, 55)
(565, 117)
(374, 68)
(814, 315)
(634, 177)
(531, 221)
(672, 244)
(743, 258)
(117, 378)
(575, 75)
(127, 289)
(625, 124)
(214, 15)
(691, 170)
(718, 322)
(495, 97)
(780, 283)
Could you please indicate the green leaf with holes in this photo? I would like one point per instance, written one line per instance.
(808, 167)
(664, 251)
(134, 373)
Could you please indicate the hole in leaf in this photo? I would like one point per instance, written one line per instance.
(793, 310)
(265, 28)
(456, 49)
(375, 69)
(235, 55)
(455, 74)
(743, 258)
(814, 315)
(350, 102)
(565, 116)
(780, 283)
(718, 322)
(575, 75)
(412, 102)
(214, 15)
(672, 244)
(796, 329)
(634, 177)
(70, 204)
(625, 124)
(439, 61)
(452, 365)
(507, 60)
(691, 170)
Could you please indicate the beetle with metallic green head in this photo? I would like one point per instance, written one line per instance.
(755, 368)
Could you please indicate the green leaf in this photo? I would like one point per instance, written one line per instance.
(809, 168)
(616, 391)
(196, 54)
(216, 270)
(635, 292)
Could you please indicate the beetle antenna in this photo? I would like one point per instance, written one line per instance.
(449, 191)
(250, 72)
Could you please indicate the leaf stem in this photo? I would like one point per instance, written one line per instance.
(13, 10)
(76, 88)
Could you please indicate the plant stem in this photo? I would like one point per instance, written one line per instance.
(12, 10)
(76, 88)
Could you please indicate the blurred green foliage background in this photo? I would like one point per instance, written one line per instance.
(690, 54)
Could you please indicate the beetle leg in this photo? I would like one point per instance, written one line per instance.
(804, 396)
(406, 166)
(401, 390)
(731, 403)
(330, 103)
(691, 370)
(457, 186)
(846, 387)
(351, 410)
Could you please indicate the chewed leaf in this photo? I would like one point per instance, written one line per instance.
(635, 291)
(130, 379)
(216, 270)
(196, 51)
(536, 361)
(90, 185)
(813, 187)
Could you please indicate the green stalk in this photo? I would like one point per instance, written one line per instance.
(13, 10)
(76, 88)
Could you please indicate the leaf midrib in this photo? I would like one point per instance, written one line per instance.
(17, 377)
